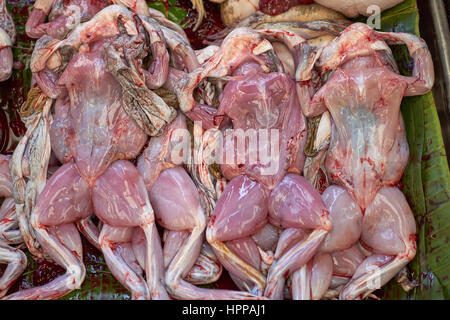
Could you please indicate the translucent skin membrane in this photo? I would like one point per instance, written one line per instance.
(264, 101)
(369, 151)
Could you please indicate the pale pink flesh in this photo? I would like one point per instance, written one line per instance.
(59, 129)
(346, 262)
(389, 231)
(204, 114)
(368, 145)
(36, 18)
(347, 220)
(9, 228)
(263, 101)
(175, 200)
(311, 282)
(6, 63)
(183, 56)
(391, 174)
(90, 231)
(288, 238)
(247, 249)
(321, 272)
(158, 70)
(100, 129)
(206, 269)
(69, 198)
(60, 239)
(6, 188)
(241, 211)
(94, 132)
(75, 11)
(157, 156)
(172, 243)
(294, 203)
(177, 207)
(155, 164)
(116, 245)
(267, 238)
(126, 204)
(47, 80)
(66, 199)
(17, 263)
(235, 49)
(388, 225)
(240, 46)
(7, 206)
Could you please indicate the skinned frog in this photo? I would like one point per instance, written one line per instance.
(258, 95)
(176, 201)
(368, 151)
(95, 147)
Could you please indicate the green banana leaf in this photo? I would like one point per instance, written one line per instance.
(426, 181)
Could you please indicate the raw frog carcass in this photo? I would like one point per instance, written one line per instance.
(178, 210)
(94, 137)
(258, 101)
(368, 151)
(56, 18)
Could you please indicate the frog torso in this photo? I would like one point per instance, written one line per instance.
(99, 130)
(368, 145)
(267, 105)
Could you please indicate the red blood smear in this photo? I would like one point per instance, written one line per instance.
(46, 272)
(211, 24)
(275, 7)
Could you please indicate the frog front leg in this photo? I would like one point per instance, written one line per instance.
(422, 78)
(68, 15)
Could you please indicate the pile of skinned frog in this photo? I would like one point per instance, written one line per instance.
(306, 207)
